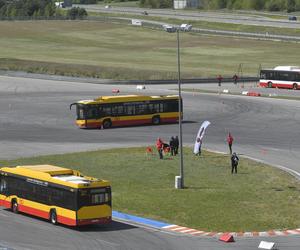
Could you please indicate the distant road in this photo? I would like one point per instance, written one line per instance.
(245, 19)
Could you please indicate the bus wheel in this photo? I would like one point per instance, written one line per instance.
(53, 217)
(15, 207)
(106, 124)
(270, 84)
(295, 86)
(156, 120)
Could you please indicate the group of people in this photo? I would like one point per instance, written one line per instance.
(220, 78)
(172, 147)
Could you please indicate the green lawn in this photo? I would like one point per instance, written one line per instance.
(258, 198)
(98, 49)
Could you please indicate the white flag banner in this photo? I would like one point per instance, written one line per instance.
(200, 136)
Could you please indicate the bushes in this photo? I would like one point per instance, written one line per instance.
(76, 13)
(156, 3)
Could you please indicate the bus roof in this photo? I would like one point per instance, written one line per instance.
(55, 174)
(126, 98)
(287, 68)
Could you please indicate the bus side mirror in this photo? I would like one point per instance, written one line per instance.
(72, 105)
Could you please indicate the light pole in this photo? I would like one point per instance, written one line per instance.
(179, 182)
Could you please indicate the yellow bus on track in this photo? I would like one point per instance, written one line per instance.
(122, 110)
(57, 194)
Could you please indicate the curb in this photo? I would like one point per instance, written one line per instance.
(193, 232)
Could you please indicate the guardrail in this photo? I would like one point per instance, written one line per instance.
(188, 81)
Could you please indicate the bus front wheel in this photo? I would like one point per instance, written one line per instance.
(15, 207)
(106, 124)
(295, 86)
(53, 217)
(156, 120)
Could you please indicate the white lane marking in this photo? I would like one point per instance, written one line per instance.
(188, 230)
(197, 232)
(292, 231)
(170, 226)
(179, 228)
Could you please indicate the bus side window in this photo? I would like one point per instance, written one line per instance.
(3, 186)
(263, 75)
(129, 109)
(106, 110)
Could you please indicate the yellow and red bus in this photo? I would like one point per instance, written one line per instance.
(57, 194)
(108, 111)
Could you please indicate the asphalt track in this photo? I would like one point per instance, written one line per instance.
(36, 120)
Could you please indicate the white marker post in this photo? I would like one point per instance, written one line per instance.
(267, 245)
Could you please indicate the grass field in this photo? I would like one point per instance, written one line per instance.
(97, 49)
(258, 198)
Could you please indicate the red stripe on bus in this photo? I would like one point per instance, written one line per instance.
(170, 119)
(5, 203)
(33, 211)
(60, 219)
(66, 220)
(277, 85)
(46, 215)
(129, 122)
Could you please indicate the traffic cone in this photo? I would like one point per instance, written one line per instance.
(226, 237)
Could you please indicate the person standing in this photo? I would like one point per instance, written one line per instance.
(200, 145)
(230, 141)
(160, 147)
(172, 146)
(235, 78)
(219, 78)
(234, 162)
(176, 145)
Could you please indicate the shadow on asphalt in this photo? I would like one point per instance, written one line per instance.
(113, 226)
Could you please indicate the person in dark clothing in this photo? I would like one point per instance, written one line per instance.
(219, 78)
(176, 145)
(172, 145)
(235, 78)
(234, 162)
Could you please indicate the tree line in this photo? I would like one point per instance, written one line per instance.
(269, 5)
(11, 9)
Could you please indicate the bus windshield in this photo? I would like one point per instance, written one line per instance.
(94, 196)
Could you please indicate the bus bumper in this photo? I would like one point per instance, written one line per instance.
(104, 220)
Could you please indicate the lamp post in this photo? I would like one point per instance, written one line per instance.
(179, 182)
